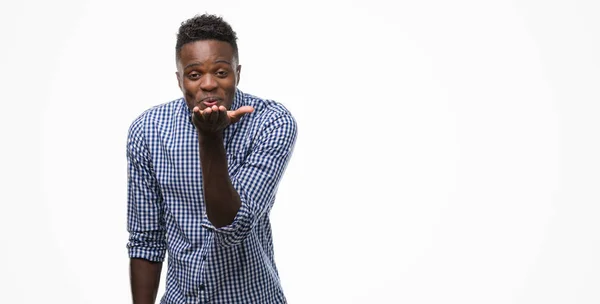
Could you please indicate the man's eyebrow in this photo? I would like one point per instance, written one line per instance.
(199, 63)
(192, 64)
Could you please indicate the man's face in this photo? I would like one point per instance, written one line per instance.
(207, 73)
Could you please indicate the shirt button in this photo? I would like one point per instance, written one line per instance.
(204, 257)
(201, 287)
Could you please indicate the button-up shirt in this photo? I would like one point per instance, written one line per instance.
(166, 208)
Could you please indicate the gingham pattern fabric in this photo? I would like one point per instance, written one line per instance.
(166, 211)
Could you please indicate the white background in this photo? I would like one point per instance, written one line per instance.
(448, 151)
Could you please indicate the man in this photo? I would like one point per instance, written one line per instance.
(203, 171)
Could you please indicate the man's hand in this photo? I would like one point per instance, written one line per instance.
(214, 119)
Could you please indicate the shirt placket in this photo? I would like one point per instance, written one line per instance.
(204, 286)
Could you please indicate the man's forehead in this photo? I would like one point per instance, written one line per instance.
(206, 49)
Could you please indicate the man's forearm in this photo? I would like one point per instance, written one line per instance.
(221, 198)
(145, 278)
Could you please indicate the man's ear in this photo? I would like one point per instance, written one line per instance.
(178, 80)
(238, 71)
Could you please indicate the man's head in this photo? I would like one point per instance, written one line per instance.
(207, 62)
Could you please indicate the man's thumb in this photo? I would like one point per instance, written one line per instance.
(241, 111)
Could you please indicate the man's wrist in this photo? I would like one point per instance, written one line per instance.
(205, 137)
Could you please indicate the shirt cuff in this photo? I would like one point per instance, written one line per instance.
(149, 250)
(236, 232)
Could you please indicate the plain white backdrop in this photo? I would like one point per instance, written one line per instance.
(448, 151)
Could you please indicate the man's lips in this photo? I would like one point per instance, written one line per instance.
(210, 101)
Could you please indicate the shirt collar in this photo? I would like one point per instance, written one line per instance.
(238, 100)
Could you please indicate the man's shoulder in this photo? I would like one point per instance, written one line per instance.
(157, 115)
(270, 115)
(159, 112)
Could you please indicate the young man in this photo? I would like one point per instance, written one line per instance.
(203, 171)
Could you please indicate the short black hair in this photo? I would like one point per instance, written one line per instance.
(206, 27)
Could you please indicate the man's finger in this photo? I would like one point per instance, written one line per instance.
(206, 114)
(197, 114)
(214, 116)
(236, 115)
(222, 114)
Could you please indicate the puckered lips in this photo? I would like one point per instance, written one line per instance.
(210, 101)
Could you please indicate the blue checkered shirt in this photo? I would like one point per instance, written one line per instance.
(166, 210)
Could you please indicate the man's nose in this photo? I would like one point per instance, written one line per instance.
(208, 82)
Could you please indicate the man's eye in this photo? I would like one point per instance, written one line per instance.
(222, 73)
(194, 75)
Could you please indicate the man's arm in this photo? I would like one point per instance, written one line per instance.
(145, 278)
(234, 203)
(221, 199)
(145, 223)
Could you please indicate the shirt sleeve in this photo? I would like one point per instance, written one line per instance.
(257, 180)
(145, 221)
